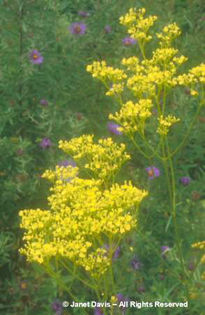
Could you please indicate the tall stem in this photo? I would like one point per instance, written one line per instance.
(173, 204)
(20, 88)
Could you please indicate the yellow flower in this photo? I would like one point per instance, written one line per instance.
(165, 123)
(132, 116)
(138, 26)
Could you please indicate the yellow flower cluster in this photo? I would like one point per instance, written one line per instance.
(149, 78)
(103, 158)
(165, 123)
(61, 173)
(132, 116)
(201, 245)
(101, 71)
(138, 25)
(116, 89)
(85, 214)
(169, 33)
(199, 73)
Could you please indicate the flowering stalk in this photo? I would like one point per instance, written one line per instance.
(150, 81)
(87, 219)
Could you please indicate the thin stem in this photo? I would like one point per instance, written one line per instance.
(139, 149)
(52, 274)
(188, 132)
(173, 186)
(77, 276)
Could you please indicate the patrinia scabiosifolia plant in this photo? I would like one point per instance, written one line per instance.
(144, 86)
(89, 214)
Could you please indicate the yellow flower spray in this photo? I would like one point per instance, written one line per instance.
(142, 87)
(89, 214)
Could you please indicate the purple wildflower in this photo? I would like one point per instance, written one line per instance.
(153, 172)
(164, 250)
(135, 263)
(83, 14)
(141, 289)
(36, 57)
(117, 253)
(98, 311)
(57, 307)
(66, 163)
(185, 180)
(191, 266)
(43, 102)
(114, 128)
(122, 298)
(45, 143)
(107, 29)
(77, 28)
(128, 41)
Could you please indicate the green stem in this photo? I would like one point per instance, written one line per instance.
(78, 277)
(138, 148)
(173, 186)
(52, 274)
(188, 132)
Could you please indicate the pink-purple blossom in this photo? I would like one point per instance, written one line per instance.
(66, 163)
(107, 29)
(45, 143)
(153, 172)
(129, 41)
(57, 307)
(98, 311)
(164, 250)
(78, 28)
(135, 263)
(114, 128)
(35, 57)
(44, 102)
(185, 180)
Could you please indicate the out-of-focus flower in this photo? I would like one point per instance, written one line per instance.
(79, 116)
(195, 195)
(20, 152)
(78, 28)
(114, 128)
(45, 143)
(129, 41)
(44, 102)
(66, 163)
(109, 249)
(122, 298)
(83, 14)
(107, 29)
(153, 172)
(141, 289)
(98, 311)
(161, 276)
(57, 307)
(191, 266)
(135, 263)
(164, 250)
(185, 180)
(117, 253)
(23, 284)
(36, 57)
